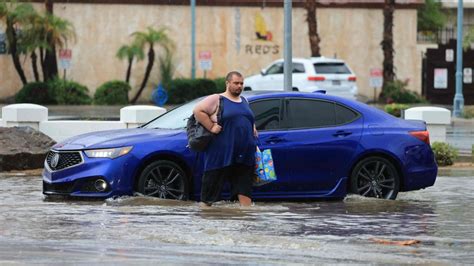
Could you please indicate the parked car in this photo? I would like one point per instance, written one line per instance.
(323, 147)
(309, 75)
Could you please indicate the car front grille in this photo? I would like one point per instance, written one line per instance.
(61, 160)
(61, 188)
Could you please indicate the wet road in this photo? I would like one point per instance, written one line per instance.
(143, 230)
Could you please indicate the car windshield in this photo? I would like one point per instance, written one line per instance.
(331, 68)
(174, 119)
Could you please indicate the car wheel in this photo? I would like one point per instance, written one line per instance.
(295, 89)
(164, 179)
(375, 177)
(247, 89)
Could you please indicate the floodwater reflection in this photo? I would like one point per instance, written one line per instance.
(144, 230)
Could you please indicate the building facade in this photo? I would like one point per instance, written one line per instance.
(227, 31)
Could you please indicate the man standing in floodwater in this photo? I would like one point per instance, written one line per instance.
(231, 153)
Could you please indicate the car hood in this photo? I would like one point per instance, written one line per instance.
(114, 138)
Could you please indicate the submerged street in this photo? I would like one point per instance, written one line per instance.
(437, 221)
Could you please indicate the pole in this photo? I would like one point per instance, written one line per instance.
(193, 39)
(288, 59)
(458, 104)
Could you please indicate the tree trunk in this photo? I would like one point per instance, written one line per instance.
(129, 69)
(43, 67)
(34, 64)
(151, 60)
(314, 39)
(50, 60)
(12, 45)
(49, 6)
(387, 44)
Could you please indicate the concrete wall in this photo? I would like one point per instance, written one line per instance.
(353, 34)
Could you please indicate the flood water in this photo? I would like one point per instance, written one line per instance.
(132, 230)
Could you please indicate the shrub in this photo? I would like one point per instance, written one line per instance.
(220, 84)
(112, 92)
(183, 90)
(69, 92)
(35, 92)
(395, 109)
(396, 92)
(444, 153)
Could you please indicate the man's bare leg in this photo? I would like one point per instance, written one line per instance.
(244, 200)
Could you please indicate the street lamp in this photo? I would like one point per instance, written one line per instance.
(458, 104)
(288, 58)
(193, 39)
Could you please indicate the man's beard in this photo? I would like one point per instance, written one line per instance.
(235, 92)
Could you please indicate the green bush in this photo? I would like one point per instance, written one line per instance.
(395, 109)
(183, 90)
(220, 84)
(35, 92)
(396, 92)
(444, 153)
(112, 92)
(69, 92)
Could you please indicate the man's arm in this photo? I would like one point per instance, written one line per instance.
(204, 110)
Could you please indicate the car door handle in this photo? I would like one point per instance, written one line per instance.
(274, 140)
(342, 133)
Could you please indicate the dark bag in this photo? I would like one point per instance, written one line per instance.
(198, 136)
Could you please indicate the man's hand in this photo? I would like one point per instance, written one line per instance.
(216, 129)
(255, 132)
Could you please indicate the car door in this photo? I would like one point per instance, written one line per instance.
(324, 137)
(273, 78)
(272, 134)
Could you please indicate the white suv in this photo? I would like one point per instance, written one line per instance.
(309, 74)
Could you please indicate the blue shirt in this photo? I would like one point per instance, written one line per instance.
(235, 144)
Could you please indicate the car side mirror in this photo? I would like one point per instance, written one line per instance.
(263, 71)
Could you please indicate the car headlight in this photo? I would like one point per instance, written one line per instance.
(108, 153)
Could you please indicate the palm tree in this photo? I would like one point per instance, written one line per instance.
(130, 52)
(33, 39)
(314, 39)
(16, 15)
(387, 44)
(150, 38)
(57, 32)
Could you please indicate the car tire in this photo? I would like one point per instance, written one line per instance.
(375, 177)
(164, 179)
(247, 89)
(295, 89)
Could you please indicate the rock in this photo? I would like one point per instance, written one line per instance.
(23, 148)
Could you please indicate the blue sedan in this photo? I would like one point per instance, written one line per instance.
(323, 147)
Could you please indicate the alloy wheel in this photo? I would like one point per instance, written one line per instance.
(163, 179)
(375, 177)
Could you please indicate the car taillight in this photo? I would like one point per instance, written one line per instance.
(421, 135)
(352, 78)
(316, 78)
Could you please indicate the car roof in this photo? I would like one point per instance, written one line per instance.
(314, 60)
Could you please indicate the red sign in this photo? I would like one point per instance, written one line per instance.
(205, 55)
(65, 54)
(376, 72)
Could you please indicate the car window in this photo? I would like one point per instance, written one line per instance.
(331, 68)
(298, 68)
(308, 113)
(176, 118)
(275, 69)
(344, 115)
(267, 114)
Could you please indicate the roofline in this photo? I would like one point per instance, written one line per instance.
(371, 4)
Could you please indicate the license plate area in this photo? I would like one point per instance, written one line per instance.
(336, 83)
